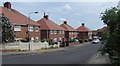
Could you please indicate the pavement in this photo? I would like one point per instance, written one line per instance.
(99, 59)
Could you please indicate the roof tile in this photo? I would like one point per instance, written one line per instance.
(47, 24)
(16, 17)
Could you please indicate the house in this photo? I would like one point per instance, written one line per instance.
(94, 33)
(84, 32)
(51, 31)
(0, 31)
(102, 30)
(24, 27)
(70, 32)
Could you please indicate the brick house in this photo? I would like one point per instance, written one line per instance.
(103, 30)
(70, 32)
(84, 32)
(50, 30)
(23, 26)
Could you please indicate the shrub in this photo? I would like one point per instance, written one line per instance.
(80, 40)
(42, 40)
(86, 40)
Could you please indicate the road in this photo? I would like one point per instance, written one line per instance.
(71, 55)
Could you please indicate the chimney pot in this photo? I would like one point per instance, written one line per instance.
(83, 24)
(46, 16)
(65, 22)
(7, 5)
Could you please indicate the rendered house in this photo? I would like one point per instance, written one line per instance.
(50, 30)
(84, 32)
(23, 26)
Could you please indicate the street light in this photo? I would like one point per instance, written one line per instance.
(29, 27)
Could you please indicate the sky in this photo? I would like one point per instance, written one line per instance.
(75, 12)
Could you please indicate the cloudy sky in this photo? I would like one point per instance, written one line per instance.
(75, 13)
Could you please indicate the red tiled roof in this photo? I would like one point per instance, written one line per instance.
(47, 24)
(104, 29)
(83, 29)
(67, 27)
(16, 17)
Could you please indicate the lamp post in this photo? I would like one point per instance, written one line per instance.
(29, 36)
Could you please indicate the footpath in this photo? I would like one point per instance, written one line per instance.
(99, 59)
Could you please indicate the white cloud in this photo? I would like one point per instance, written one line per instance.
(63, 19)
(66, 8)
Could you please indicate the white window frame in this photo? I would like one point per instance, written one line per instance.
(55, 31)
(51, 32)
(60, 32)
(55, 40)
(17, 28)
(30, 28)
(36, 29)
(63, 32)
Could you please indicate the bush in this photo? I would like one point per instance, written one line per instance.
(42, 40)
(86, 40)
(80, 40)
(89, 39)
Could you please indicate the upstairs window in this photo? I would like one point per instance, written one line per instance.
(36, 29)
(51, 32)
(63, 32)
(30, 28)
(60, 32)
(17, 28)
(55, 32)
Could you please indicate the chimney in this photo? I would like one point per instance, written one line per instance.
(46, 16)
(83, 24)
(7, 5)
(65, 22)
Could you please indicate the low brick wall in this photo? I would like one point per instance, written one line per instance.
(73, 43)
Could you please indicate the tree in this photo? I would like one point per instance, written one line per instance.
(111, 39)
(7, 30)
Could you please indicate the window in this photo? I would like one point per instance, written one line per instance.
(17, 28)
(55, 40)
(63, 32)
(60, 32)
(72, 33)
(51, 32)
(60, 39)
(30, 28)
(36, 39)
(55, 32)
(32, 38)
(36, 29)
(69, 33)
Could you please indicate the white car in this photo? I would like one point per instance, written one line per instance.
(95, 41)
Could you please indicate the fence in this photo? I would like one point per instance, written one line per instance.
(27, 45)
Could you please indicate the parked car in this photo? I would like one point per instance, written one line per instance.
(95, 41)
